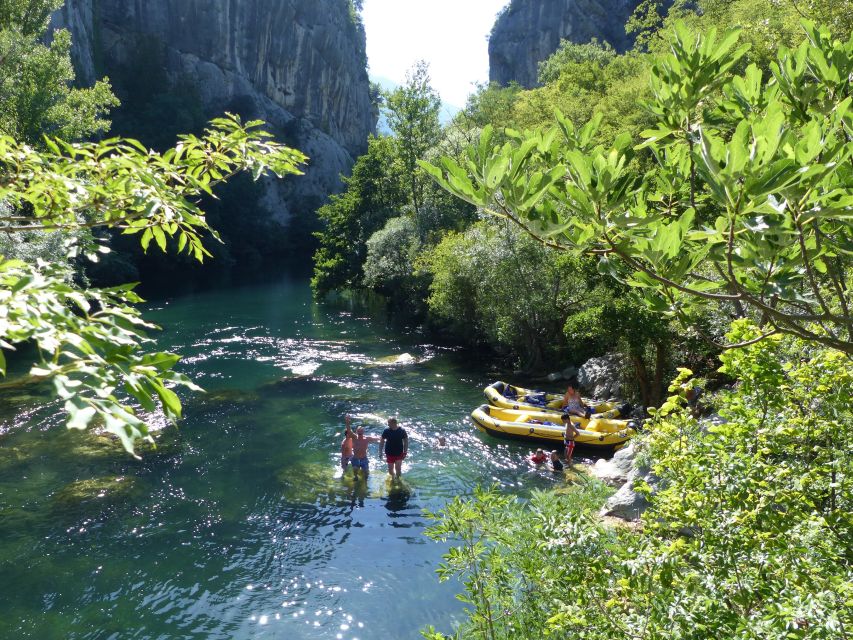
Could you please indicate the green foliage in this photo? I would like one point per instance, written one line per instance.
(749, 202)
(510, 556)
(412, 112)
(36, 94)
(91, 342)
(748, 534)
(375, 192)
(616, 320)
(391, 253)
(492, 284)
(27, 17)
(570, 58)
(490, 104)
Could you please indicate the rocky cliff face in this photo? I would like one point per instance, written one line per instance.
(298, 64)
(78, 17)
(529, 31)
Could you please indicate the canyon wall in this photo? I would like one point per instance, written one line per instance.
(300, 65)
(529, 31)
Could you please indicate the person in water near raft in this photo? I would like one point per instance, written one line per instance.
(569, 436)
(395, 442)
(359, 455)
(538, 458)
(346, 446)
(556, 465)
(573, 403)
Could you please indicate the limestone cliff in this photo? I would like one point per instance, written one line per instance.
(529, 31)
(298, 64)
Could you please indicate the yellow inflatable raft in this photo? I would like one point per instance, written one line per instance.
(545, 426)
(506, 396)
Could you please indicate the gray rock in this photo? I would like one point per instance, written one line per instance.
(553, 377)
(599, 377)
(78, 17)
(570, 372)
(529, 31)
(616, 470)
(300, 65)
(626, 504)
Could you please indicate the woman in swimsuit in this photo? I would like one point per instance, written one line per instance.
(573, 403)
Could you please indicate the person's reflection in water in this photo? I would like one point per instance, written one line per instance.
(397, 503)
(357, 492)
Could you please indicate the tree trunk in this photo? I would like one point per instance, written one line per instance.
(642, 378)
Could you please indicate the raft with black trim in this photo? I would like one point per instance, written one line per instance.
(606, 434)
(507, 396)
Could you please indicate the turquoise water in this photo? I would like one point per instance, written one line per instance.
(240, 524)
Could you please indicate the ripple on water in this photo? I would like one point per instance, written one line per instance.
(248, 529)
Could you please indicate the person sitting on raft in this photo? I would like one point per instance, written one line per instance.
(538, 458)
(573, 403)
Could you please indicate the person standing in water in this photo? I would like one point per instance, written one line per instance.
(569, 436)
(359, 452)
(395, 442)
(346, 447)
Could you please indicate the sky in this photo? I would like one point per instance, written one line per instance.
(449, 34)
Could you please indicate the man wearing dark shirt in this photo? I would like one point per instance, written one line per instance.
(395, 443)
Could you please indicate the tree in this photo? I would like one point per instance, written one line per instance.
(374, 193)
(412, 112)
(92, 342)
(389, 264)
(36, 93)
(749, 204)
(494, 285)
(590, 57)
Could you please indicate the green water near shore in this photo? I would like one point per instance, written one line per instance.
(240, 524)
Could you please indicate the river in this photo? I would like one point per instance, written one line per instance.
(240, 524)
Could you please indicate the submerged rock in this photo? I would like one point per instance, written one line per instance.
(96, 494)
(303, 482)
(102, 445)
(403, 358)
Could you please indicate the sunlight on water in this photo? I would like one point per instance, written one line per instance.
(241, 524)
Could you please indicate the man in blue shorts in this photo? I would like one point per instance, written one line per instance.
(359, 452)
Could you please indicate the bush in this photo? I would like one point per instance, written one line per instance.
(492, 284)
(749, 534)
(391, 251)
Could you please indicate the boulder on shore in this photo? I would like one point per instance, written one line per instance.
(616, 470)
(623, 469)
(599, 377)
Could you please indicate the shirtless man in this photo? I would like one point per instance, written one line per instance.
(569, 436)
(346, 447)
(359, 452)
